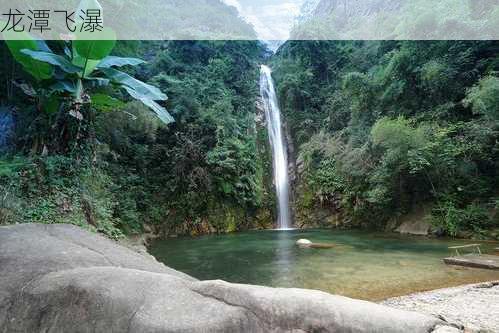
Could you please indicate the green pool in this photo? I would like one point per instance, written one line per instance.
(370, 266)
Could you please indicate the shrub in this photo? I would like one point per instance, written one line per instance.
(453, 220)
(484, 97)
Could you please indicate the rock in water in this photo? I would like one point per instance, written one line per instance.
(303, 243)
(59, 278)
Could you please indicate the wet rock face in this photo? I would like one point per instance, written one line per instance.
(59, 278)
(6, 129)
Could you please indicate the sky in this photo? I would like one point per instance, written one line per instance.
(272, 19)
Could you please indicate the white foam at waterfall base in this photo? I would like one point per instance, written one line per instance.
(279, 152)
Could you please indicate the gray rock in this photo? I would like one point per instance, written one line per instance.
(416, 222)
(420, 228)
(303, 243)
(446, 329)
(473, 307)
(300, 310)
(59, 278)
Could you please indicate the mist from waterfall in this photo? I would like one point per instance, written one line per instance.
(279, 152)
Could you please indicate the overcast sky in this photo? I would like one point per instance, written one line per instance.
(272, 19)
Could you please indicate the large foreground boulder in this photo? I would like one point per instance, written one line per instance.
(59, 278)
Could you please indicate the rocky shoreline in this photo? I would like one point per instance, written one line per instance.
(472, 308)
(60, 278)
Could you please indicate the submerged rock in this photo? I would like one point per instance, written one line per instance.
(59, 278)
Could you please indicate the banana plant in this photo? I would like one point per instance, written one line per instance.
(86, 65)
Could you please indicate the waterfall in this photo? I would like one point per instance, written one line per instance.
(279, 153)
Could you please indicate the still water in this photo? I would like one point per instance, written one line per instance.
(370, 266)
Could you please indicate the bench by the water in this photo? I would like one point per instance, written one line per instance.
(475, 247)
(485, 261)
(475, 259)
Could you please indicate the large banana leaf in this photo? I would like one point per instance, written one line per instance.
(141, 91)
(53, 59)
(63, 86)
(144, 89)
(160, 111)
(22, 40)
(95, 45)
(42, 46)
(112, 61)
(88, 64)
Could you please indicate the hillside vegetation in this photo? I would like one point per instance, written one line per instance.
(384, 128)
(119, 167)
(177, 145)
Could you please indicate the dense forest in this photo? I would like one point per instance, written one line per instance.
(388, 128)
(380, 130)
(205, 172)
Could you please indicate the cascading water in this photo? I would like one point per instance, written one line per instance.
(279, 153)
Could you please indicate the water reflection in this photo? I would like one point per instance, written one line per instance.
(284, 257)
(361, 265)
